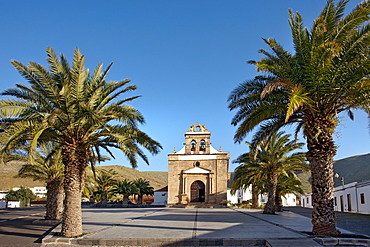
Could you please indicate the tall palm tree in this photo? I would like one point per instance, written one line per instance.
(126, 188)
(327, 74)
(275, 157)
(47, 167)
(80, 111)
(143, 188)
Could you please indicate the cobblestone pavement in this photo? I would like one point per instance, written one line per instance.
(357, 223)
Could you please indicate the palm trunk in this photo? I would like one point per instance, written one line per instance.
(54, 203)
(278, 203)
(140, 199)
(125, 199)
(270, 205)
(254, 195)
(104, 197)
(321, 152)
(75, 159)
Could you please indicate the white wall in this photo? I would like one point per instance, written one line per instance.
(14, 204)
(306, 201)
(39, 191)
(353, 198)
(246, 194)
(363, 190)
(289, 200)
(240, 195)
(345, 198)
(3, 194)
(160, 198)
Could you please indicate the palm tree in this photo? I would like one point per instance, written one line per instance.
(274, 157)
(327, 74)
(287, 184)
(143, 188)
(126, 188)
(47, 167)
(247, 174)
(80, 111)
(105, 181)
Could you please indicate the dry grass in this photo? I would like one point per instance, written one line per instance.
(8, 179)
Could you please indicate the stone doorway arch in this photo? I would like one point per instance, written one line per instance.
(197, 192)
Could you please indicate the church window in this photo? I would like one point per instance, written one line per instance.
(193, 144)
(202, 145)
(197, 164)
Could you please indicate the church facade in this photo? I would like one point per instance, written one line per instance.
(198, 173)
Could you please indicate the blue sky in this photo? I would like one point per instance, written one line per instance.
(185, 57)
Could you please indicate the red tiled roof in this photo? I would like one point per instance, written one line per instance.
(163, 189)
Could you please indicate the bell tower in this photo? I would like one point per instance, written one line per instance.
(197, 140)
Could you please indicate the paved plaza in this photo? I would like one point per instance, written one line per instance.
(195, 227)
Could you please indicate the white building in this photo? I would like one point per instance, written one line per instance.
(3, 194)
(353, 198)
(39, 191)
(14, 204)
(160, 196)
(246, 194)
(2, 199)
(240, 195)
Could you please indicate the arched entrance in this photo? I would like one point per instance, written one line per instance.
(197, 192)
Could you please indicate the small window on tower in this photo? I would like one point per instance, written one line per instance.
(197, 164)
(202, 145)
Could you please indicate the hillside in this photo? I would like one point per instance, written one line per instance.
(157, 180)
(305, 178)
(353, 169)
(8, 180)
(7, 177)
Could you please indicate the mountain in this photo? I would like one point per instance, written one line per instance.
(157, 180)
(8, 179)
(352, 169)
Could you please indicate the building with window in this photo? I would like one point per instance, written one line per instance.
(161, 196)
(245, 194)
(198, 173)
(352, 198)
(39, 191)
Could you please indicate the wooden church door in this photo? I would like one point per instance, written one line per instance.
(197, 191)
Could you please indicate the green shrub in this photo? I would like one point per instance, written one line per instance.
(24, 195)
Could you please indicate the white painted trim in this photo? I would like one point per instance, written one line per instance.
(197, 170)
(197, 157)
(197, 133)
